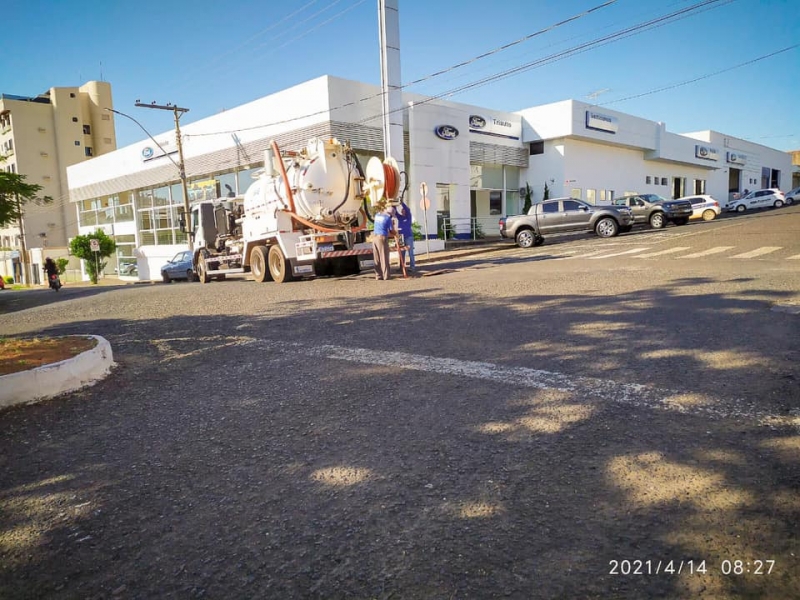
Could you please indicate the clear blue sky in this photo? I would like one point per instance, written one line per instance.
(210, 56)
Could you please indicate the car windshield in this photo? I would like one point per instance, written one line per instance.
(179, 257)
(653, 198)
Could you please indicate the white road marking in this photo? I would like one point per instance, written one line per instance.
(631, 251)
(662, 252)
(710, 251)
(605, 390)
(758, 252)
(586, 255)
(795, 257)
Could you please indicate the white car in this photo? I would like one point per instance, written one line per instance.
(758, 199)
(793, 196)
(703, 207)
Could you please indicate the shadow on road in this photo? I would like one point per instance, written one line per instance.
(227, 456)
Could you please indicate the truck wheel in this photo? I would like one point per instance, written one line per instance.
(258, 264)
(279, 267)
(202, 270)
(606, 228)
(525, 238)
(657, 220)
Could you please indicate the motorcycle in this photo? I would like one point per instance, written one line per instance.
(55, 282)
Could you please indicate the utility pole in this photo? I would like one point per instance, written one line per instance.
(178, 112)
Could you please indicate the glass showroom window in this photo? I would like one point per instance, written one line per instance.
(126, 260)
(87, 215)
(123, 207)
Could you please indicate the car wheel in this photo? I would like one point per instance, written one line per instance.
(778, 203)
(165, 278)
(789, 201)
(279, 266)
(258, 264)
(709, 215)
(189, 275)
(741, 208)
(657, 220)
(526, 238)
(606, 228)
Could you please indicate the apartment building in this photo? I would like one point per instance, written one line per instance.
(40, 137)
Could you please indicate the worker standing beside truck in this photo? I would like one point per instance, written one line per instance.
(380, 242)
(404, 225)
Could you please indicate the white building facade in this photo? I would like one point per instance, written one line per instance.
(476, 162)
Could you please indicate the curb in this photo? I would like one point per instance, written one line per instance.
(58, 378)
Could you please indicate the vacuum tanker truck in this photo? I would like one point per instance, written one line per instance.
(305, 215)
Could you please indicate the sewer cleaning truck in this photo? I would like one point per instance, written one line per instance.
(305, 215)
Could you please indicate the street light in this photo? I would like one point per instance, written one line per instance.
(180, 164)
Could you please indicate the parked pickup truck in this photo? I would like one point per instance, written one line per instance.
(565, 214)
(655, 210)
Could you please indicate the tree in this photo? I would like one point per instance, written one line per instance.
(546, 192)
(528, 198)
(14, 192)
(81, 246)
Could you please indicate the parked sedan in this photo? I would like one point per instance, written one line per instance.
(793, 196)
(771, 197)
(180, 267)
(704, 207)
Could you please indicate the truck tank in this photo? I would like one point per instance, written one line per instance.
(325, 181)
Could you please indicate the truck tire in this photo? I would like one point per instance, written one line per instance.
(259, 265)
(606, 227)
(525, 238)
(279, 267)
(657, 220)
(202, 270)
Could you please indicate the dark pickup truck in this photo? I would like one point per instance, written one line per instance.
(655, 210)
(565, 214)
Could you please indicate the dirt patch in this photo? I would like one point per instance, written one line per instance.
(23, 354)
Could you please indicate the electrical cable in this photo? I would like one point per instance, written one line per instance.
(420, 80)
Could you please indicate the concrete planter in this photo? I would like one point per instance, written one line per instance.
(57, 378)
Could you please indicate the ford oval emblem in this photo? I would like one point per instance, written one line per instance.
(703, 151)
(446, 132)
(477, 122)
(147, 152)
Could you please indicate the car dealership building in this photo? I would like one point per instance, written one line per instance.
(477, 162)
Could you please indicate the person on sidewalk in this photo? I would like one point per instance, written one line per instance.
(404, 226)
(380, 241)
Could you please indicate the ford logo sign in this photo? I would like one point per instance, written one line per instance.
(703, 151)
(446, 132)
(147, 152)
(477, 122)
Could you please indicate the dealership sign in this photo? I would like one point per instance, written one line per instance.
(446, 132)
(706, 152)
(600, 122)
(151, 152)
(737, 158)
(488, 125)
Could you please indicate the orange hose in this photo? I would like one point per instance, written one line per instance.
(289, 194)
(390, 183)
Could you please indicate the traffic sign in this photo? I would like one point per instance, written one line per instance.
(424, 204)
(94, 245)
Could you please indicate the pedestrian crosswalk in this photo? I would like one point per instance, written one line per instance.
(593, 252)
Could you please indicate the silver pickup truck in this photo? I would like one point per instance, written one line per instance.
(565, 214)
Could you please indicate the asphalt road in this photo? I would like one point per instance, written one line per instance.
(591, 418)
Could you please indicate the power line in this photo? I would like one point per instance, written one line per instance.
(701, 78)
(422, 79)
